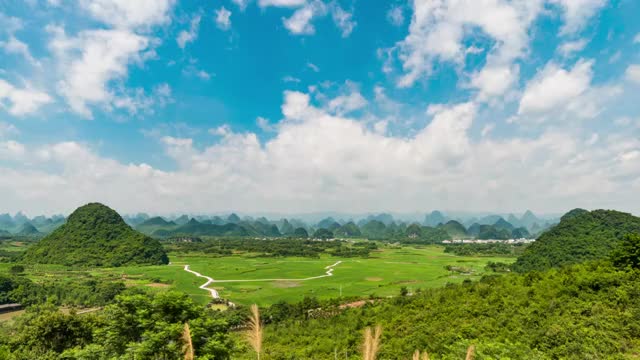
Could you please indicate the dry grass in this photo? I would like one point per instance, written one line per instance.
(418, 356)
(254, 334)
(471, 352)
(188, 345)
(371, 343)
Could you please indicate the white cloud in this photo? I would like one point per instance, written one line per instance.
(290, 79)
(438, 29)
(300, 22)
(564, 94)
(343, 20)
(568, 48)
(21, 101)
(636, 40)
(577, 13)
(554, 86)
(313, 67)
(7, 129)
(494, 80)
(11, 150)
(223, 18)
(130, 14)
(335, 161)
(93, 64)
(15, 46)
(395, 15)
(91, 61)
(633, 73)
(264, 124)
(281, 3)
(187, 36)
(347, 103)
(487, 129)
(242, 4)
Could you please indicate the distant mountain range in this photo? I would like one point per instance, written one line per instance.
(509, 225)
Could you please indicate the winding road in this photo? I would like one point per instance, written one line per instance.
(216, 295)
(214, 292)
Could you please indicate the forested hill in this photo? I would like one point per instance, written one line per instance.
(581, 235)
(96, 235)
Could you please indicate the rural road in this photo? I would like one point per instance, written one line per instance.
(215, 295)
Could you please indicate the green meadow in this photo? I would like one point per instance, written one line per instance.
(383, 273)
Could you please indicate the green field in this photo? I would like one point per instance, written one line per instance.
(382, 274)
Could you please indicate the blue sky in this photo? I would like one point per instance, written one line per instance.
(317, 105)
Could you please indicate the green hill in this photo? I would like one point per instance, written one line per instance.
(581, 235)
(349, 229)
(95, 235)
(27, 229)
(196, 228)
(455, 229)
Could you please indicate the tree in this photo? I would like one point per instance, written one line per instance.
(16, 269)
(627, 255)
(323, 234)
(301, 233)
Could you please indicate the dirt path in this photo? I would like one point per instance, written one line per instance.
(213, 292)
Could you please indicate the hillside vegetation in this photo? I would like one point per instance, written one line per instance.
(580, 236)
(96, 235)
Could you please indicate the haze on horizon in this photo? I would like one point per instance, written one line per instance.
(274, 106)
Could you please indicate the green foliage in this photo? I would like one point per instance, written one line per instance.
(627, 255)
(455, 229)
(491, 232)
(16, 269)
(323, 234)
(136, 325)
(349, 229)
(70, 292)
(96, 235)
(300, 233)
(501, 249)
(587, 311)
(580, 236)
(278, 247)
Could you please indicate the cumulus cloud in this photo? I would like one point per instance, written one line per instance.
(577, 13)
(438, 29)
(281, 3)
(7, 130)
(127, 14)
(319, 161)
(21, 101)
(395, 15)
(15, 46)
(633, 73)
(187, 36)
(94, 63)
(343, 20)
(568, 48)
(223, 18)
(242, 4)
(564, 94)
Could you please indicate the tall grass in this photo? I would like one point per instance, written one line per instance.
(188, 345)
(254, 334)
(371, 343)
(471, 353)
(417, 355)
